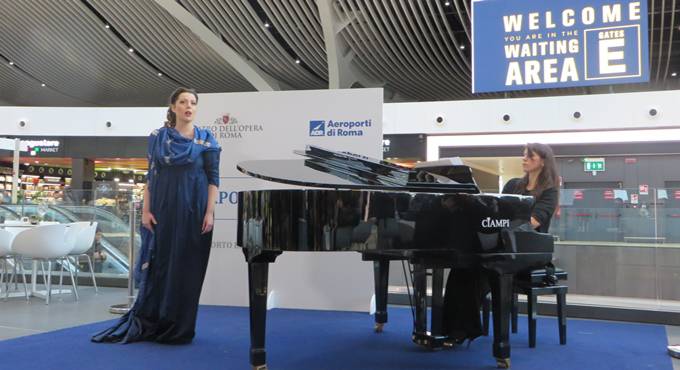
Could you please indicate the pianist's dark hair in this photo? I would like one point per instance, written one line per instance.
(548, 178)
(171, 117)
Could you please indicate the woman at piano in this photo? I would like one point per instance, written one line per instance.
(465, 288)
(540, 181)
(177, 220)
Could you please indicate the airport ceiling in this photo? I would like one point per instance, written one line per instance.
(135, 52)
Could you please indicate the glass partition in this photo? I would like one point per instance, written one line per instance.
(111, 210)
(620, 247)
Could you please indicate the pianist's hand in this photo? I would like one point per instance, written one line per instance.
(148, 220)
(208, 222)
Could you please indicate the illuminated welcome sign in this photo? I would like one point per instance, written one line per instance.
(534, 44)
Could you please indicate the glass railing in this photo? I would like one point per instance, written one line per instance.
(620, 246)
(110, 209)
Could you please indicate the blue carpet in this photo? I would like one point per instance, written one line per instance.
(322, 340)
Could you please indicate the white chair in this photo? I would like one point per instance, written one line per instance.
(84, 239)
(6, 239)
(46, 243)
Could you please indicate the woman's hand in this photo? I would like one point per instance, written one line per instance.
(534, 222)
(208, 222)
(148, 220)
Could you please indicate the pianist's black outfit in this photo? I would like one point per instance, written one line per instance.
(544, 206)
(465, 288)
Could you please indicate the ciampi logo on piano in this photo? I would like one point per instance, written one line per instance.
(489, 222)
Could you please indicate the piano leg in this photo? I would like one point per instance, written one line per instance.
(501, 292)
(381, 270)
(437, 325)
(257, 281)
(420, 301)
(434, 338)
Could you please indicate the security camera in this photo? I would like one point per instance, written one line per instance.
(22, 123)
(506, 117)
(653, 112)
(108, 124)
(577, 114)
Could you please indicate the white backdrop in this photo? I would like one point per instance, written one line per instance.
(270, 125)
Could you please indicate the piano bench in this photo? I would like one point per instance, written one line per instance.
(532, 292)
(533, 286)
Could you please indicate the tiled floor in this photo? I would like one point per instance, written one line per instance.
(19, 317)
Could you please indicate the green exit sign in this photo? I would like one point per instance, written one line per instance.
(593, 164)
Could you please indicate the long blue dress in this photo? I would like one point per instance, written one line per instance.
(173, 259)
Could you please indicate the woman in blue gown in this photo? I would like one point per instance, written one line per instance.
(177, 222)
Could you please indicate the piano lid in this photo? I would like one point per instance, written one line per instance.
(342, 170)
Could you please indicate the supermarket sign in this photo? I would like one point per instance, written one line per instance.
(35, 147)
(528, 44)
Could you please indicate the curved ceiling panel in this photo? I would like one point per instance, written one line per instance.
(238, 24)
(63, 44)
(19, 89)
(297, 21)
(170, 46)
(419, 50)
(408, 44)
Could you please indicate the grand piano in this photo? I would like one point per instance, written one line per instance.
(433, 217)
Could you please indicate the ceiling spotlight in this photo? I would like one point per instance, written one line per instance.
(447, 3)
(131, 50)
(107, 26)
(297, 61)
(43, 85)
(160, 74)
(11, 63)
(266, 25)
(674, 74)
(462, 47)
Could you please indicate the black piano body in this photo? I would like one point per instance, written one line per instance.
(433, 217)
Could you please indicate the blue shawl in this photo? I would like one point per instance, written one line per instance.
(167, 147)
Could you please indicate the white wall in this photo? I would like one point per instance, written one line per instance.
(67, 121)
(607, 111)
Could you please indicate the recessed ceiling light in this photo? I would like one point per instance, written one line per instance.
(131, 50)
(447, 3)
(43, 85)
(266, 25)
(462, 47)
(674, 74)
(11, 63)
(160, 74)
(297, 61)
(107, 26)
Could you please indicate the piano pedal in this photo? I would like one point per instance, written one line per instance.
(503, 363)
(379, 327)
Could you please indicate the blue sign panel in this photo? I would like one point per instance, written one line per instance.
(533, 44)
